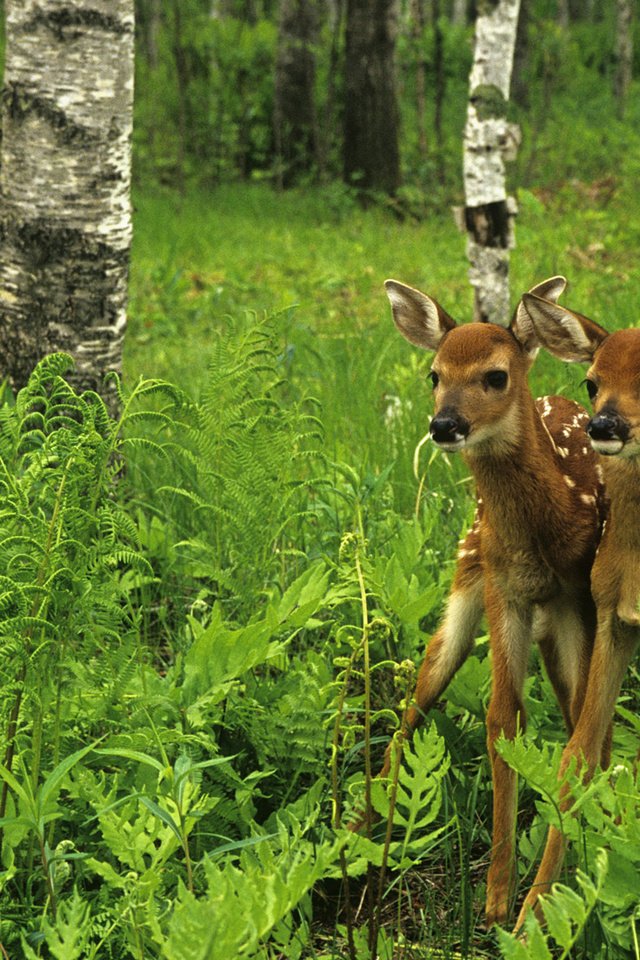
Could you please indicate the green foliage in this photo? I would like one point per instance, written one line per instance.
(205, 94)
(182, 617)
(244, 903)
(565, 912)
(242, 468)
(417, 806)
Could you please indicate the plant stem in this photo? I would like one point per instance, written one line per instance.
(187, 852)
(12, 728)
(47, 877)
(397, 759)
(337, 810)
(366, 669)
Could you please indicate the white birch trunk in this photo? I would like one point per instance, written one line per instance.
(65, 217)
(489, 140)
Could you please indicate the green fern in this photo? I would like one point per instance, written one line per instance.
(245, 903)
(245, 462)
(565, 912)
(69, 938)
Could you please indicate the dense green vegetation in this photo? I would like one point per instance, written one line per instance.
(199, 598)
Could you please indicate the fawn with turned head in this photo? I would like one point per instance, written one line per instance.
(613, 384)
(526, 560)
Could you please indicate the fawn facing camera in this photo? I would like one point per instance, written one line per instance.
(526, 560)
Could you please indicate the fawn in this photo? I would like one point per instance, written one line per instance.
(526, 560)
(613, 384)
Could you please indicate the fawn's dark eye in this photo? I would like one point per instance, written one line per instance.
(435, 379)
(592, 389)
(497, 379)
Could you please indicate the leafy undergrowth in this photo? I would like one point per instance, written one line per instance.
(208, 621)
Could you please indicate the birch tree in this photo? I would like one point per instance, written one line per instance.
(489, 140)
(65, 219)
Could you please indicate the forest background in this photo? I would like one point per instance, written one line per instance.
(200, 598)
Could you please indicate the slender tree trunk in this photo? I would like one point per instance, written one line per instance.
(371, 152)
(65, 217)
(149, 25)
(459, 13)
(438, 67)
(563, 14)
(327, 132)
(182, 77)
(488, 140)
(295, 119)
(519, 80)
(418, 25)
(623, 53)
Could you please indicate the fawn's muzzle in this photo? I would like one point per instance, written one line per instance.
(448, 428)
(608, 432)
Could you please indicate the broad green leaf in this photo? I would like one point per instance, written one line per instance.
(166, 818)
(126, 754)
(25, 793)
(53, 782)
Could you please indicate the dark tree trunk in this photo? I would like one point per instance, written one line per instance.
(65, 217)
(182, 76)
(418, 25)
(371, 153)
(519, 84)
(438, 67)
(328, 136)
(149, 24)
(295, 121)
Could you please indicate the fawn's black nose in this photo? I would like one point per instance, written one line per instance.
(447, 427)
(608, 426)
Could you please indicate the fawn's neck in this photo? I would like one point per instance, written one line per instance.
(522, 485)
(622, 479)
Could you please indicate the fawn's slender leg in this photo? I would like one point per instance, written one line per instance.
(510, 633)
(565, 636)
(590, 743)
(561, 688)
(450, 645)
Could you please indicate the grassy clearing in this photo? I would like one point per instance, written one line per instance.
(210, 264)
(212, 601)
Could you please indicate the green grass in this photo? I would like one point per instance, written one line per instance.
(318, 260)
(213, 262)
(212, 593)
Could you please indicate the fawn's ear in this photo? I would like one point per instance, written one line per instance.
(418, 318)
(565, 334)
(521, 325)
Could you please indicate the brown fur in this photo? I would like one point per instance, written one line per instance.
(527, 559)
(615, 578)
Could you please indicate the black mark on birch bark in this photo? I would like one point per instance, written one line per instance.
(488, 224)
(69, 23)
(19, 103)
